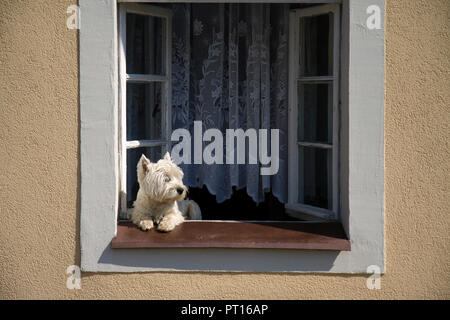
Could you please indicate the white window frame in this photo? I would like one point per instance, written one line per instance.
(361, 158)
(293, 207)
(165, 80)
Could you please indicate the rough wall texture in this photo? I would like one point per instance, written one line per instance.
(39, 179)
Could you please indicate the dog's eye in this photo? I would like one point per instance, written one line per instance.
(166, 179)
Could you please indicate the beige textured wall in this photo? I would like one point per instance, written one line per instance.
(39, 181)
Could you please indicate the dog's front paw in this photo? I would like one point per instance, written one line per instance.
(146, 224)
(169, 223)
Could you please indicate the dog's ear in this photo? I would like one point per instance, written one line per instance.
(167, 156)
(143, 167)
(145, 162)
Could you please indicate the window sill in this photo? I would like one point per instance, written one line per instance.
(236, 234)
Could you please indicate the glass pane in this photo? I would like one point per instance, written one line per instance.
(133, 156)
(144, 111)
(315, 112)
(316, 46)
(145, 44)
(315, 174)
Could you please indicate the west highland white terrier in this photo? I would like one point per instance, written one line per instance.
(160, 197)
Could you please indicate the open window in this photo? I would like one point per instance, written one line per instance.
(242, 68)
(314, 112)
(145, 91)
(231, 64)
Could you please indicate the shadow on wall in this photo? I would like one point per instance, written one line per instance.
(259, 260)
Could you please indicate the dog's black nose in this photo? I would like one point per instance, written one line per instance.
(180, 191)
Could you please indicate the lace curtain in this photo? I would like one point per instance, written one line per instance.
(230, 71)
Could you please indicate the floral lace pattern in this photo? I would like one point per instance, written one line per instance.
(232, 73)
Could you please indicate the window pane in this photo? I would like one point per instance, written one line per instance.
(145, 44)
(144, 111)
(315, 112)
(316, 46)
(315, 172)
(133, 156)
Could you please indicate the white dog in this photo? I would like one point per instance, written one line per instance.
(160, 197)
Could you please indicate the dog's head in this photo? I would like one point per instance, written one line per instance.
(161, 181)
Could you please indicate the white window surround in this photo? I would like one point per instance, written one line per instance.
(361, 158)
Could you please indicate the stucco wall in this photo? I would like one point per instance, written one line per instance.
(39, 161)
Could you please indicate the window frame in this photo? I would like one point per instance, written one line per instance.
(125, 78)
(362, 160)
(293, 207)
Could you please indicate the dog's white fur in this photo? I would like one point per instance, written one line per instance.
(160, 197)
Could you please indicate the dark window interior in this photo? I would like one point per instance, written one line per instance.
(239, 207)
